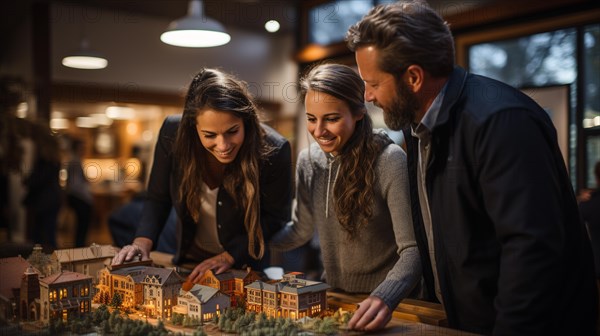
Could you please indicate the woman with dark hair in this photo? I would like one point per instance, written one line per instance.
(228, 177)
(352, 186)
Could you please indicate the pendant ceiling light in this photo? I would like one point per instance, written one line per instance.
(195, 30)
(85, 58)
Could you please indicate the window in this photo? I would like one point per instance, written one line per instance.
(545, 58)
(315, 309)
(85, 290)
(62, 293)
(593, 155)
(312, 298)
(536, 60)
(329, 22)
(591, 104)
(52, 296)
(75, 290)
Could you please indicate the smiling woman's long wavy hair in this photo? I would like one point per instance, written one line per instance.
(353, 191)
(222, 92)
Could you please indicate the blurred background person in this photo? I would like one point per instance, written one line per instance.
(44, 195)
(79, 195)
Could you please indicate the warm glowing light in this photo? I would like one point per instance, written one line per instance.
(272, 26)
(195, 30)
(59, 123)
(132, 128)
(85, 62)
(120, 112)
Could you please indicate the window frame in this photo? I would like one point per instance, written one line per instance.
(507, 31)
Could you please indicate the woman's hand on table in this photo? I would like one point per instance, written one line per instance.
(140, 246)
(372, 314)
(219, 264)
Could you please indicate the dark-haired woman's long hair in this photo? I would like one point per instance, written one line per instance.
(219, 91)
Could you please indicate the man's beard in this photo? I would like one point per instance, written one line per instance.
(403, 109)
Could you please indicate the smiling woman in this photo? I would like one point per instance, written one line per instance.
(221, 134)
(227, 176)
(352, 188)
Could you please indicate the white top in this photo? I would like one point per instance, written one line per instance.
(207, 238)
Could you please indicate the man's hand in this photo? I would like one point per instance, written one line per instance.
(372, 314)
(219, 263)
(140, 246)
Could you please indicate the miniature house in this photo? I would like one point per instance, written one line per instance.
(151, 288)
(202, 303)
(65, 295)
(29, 298)
(85, 260)
(232, 282)
(127, 282)
(41, 261)
(292, 297)
(12, 271)
(161, 288)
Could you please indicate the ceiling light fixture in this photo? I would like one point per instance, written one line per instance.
(195, 30)
(272, 26)
(85, 58)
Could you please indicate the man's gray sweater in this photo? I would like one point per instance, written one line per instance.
(382, 259)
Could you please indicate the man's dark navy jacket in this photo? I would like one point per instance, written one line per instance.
(512, 256)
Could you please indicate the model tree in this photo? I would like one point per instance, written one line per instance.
(116, 301)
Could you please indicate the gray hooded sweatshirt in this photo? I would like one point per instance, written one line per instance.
(383, 259)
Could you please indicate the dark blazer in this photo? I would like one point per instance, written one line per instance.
(512, 256)
(163, 192)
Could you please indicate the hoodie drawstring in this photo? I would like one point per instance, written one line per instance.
(330, 159)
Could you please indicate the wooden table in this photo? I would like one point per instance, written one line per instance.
(411, 317)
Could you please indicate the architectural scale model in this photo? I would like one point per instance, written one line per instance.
(232, 282)
(293, 297)
(65, 287)
(14, 299)
(85, 260)
(202, 303)
(154, 290)
(65, 295)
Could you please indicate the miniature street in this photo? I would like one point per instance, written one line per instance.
(78, 291)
